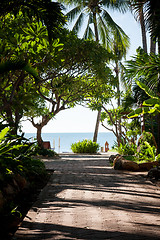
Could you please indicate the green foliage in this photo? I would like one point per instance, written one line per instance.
(18, 64)
(78, 74)
(44, 152)
(147, 147)
(16, 213)
(17, 162)
(130, 158)
(48, 12)
(96, 13)
(147, 137)
(25, 43)
(133, 129)
(144, 70)
(89, 56)
(147, 152)
(149, 106)
(144, 66)
(16, 157)
(127, 149)
(72, 69)
(85, 146)
(129, 129)
(158, 157)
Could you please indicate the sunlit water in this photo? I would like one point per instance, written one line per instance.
(61, 142)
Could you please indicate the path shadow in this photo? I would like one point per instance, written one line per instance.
(91, 174)
(52, 231)
(97, 176)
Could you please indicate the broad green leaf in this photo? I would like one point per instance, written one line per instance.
(135, 113)
(3, 133)
(152, 110)
(146, 110)
(147, 90)
(151, 101)
(32, 71)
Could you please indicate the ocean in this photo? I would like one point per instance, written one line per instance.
(61, 142)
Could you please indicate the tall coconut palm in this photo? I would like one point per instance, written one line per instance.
(139, 16)
(151, 10)
(99, 25)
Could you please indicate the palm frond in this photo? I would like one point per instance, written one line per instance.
(111, 23)
(18, 64)
(145, 67)
(13, 64)
(88, 34)
(73, 13)
(151, 11)
(48, 12)
(71, 2)
(139, 11)
(120, 37)
(120, 5)
(78, 24)
(103, 32)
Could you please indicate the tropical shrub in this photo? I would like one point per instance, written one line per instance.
(147, 137)
(127, 149)
(18, 170)
(16, 155)
(147, 152)
(158, 157)
(147, 147)
(85, 146)
(44, 152)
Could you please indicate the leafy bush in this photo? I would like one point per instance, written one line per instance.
(16, 154)
(130, 158)
(158, 157)
(16, 160)
(115, 146)
(127, 149)
(147, 137)
(147, 152)
(147, 147)
(44, 152)
(86, 146)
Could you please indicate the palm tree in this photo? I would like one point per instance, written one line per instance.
(139, 16)
(152, 21)
(149, 13)
(99, 25)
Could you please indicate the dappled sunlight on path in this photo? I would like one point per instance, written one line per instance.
(87, 199)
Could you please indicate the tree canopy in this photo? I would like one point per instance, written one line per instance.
(47, 11)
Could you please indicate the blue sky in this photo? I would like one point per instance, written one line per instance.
(80, 119)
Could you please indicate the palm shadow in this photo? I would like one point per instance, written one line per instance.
(53, 231)
(93, 174)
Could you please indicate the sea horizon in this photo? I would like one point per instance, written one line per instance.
(61, 142)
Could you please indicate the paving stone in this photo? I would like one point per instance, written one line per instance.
(87, 199)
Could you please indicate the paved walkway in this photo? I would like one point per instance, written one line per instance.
(87, 199)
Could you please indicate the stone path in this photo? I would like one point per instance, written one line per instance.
(87, 199)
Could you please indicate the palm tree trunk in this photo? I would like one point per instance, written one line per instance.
(152, 46)
(99, 111)
(158, 46)
(119, 127)
(143, 30)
